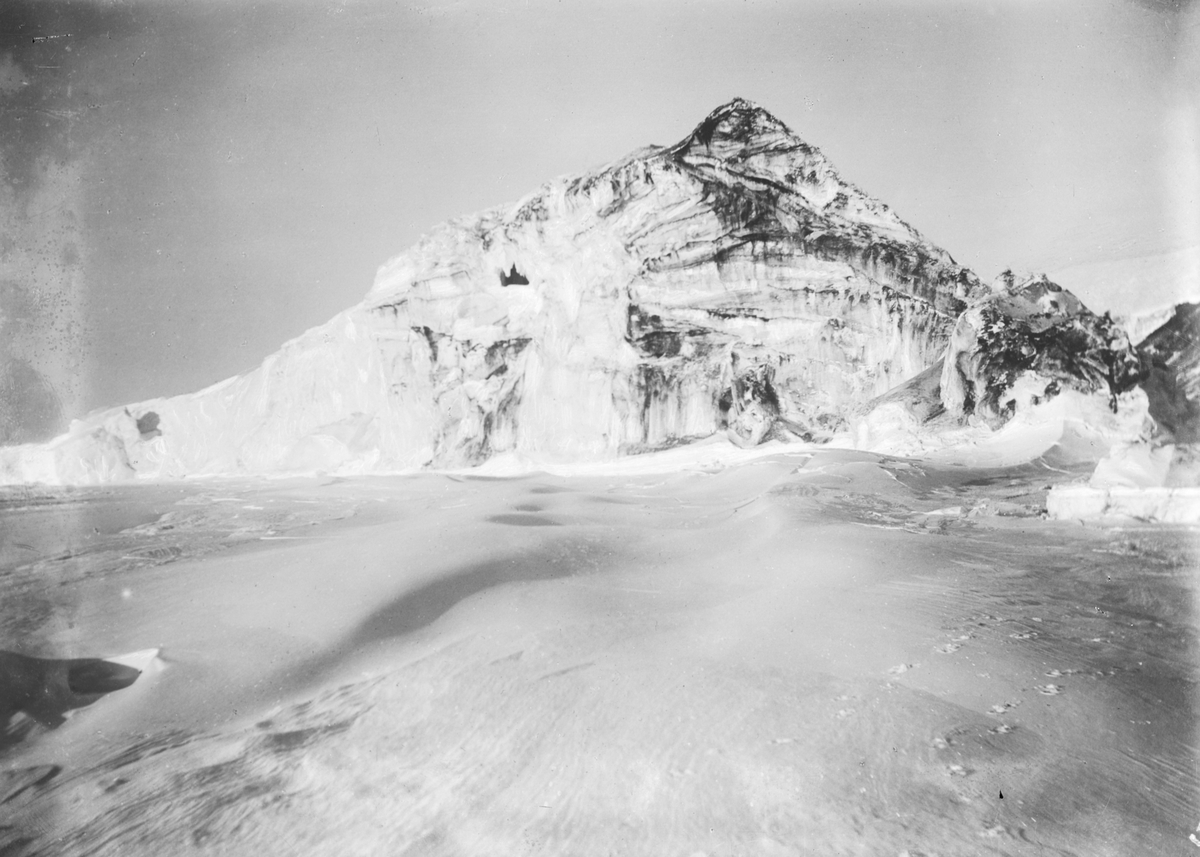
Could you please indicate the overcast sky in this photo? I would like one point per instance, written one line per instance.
(189, 184)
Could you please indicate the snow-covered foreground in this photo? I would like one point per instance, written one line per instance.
(805, 653)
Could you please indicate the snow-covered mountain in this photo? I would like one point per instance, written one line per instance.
(732, 281)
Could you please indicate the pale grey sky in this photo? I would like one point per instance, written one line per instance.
(189, 184)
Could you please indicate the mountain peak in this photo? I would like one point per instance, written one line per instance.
(737, 126)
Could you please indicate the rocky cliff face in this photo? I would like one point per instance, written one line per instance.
(731, 282)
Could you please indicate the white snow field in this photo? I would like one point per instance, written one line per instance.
(708, 651)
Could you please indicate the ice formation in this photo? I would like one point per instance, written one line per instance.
(1028, 369)
(1155, 475)
(732, 282)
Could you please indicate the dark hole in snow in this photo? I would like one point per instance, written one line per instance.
(513, 278)
(147, 424)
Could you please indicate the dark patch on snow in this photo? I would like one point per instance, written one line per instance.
(431, 338)
(1087, 352)
(294, 739)
(524, 520)
(661, 343)
(735, 312)
(615, 501)
(551, 489)
(393, 307)
(147, 425)
(503, 351)
(513, 278)
(755, 384)
(653, 338)
(638, 322)
(422, 606)
(739, 120)
(1171, 356)
(47, 688)
(15, 782)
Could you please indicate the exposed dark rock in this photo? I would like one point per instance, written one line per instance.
(750, 406)
(513, 278)
(1033, 325)
(147, 425)
(46, 689)
(431, 339)
(1171, 355)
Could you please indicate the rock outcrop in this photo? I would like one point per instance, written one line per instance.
(730, 282)
(1171, 354)
(1033, 337)
(1029, 372)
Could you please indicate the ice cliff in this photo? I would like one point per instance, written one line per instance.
(1029, 371)
(730, 282)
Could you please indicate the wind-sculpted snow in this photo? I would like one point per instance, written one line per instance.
(731, 282)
